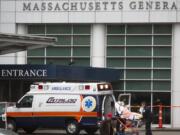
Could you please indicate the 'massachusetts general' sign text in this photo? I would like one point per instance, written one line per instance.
(102, 5)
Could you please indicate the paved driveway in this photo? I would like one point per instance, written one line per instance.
(62, 132)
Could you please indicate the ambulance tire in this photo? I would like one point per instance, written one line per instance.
(29, 130)
(72, 127)
(91, 131)
(11, 125)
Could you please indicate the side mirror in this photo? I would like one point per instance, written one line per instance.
(17, 105)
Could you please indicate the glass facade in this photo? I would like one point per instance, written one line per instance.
(73, 45)
(144, 54)
(143, 51)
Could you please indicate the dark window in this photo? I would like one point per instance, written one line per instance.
(26, 102)
(2, 108)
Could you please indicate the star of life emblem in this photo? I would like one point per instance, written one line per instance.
(89, 104)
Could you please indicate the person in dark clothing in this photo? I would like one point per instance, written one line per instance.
(106, 128)
(147, 117)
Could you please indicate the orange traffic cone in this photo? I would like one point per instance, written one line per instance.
(160, 117)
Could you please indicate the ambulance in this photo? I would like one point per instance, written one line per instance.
(71, 106)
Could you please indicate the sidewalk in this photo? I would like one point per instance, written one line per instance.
(166, 129)
(161, 129)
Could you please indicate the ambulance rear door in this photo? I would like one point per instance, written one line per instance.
(108, 105)
(126, 99)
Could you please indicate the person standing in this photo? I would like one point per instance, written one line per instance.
(147, 117)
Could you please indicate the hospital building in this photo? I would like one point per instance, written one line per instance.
(139, 37)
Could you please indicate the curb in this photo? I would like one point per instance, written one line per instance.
(162, 129)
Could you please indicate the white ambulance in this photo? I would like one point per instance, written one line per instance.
(72, 106)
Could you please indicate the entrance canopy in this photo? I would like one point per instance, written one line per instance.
(10, 43)
(58, 73)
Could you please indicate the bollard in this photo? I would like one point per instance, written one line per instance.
(160, 117)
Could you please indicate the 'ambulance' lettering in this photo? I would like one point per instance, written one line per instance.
(61, 88)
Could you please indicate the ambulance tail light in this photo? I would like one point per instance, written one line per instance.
(106, 86)
(40, 87)
(99, 114)
(99, 117)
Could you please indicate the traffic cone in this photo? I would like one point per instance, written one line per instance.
(160, 117)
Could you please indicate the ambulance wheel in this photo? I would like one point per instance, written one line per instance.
(91, 131)
(29, 130)
(11, 125)
(72, 128)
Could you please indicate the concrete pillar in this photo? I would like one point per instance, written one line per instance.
(98, 45)
(21, 57)
(176, 76)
